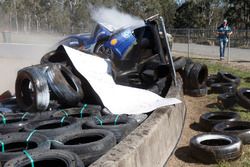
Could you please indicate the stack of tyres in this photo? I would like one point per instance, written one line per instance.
(195, 76)
(38, 86)
(224, 82)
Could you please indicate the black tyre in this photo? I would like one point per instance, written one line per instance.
(198, 76)
(212, 147)
(54, 57)
(15, 143)
(32, 91)
(121, 125)
(227, 100)
(212, 79)
(238, 128)
(64, 85)
(208, 120)
(220, 88)
(89, 145)
(196, 92)
(50, 158)
(179, 63)
(228, 77)
(81, 113)
(186, 78)
(53, 127)
(14, 122)
(243, 97)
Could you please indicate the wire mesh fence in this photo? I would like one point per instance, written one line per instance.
(204, 42)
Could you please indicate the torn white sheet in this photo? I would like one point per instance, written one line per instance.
(117, 98)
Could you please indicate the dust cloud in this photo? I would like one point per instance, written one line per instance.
(112, 16)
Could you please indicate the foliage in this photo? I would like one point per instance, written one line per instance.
(70, 16)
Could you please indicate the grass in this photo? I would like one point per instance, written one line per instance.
(213, 68)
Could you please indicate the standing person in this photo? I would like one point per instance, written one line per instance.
(223, 31)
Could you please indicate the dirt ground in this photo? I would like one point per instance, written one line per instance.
(195, 107)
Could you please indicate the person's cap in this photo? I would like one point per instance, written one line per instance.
(225, 20)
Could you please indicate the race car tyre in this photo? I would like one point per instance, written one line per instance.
(213, 147)
(13, 144)
(79, 113)
(32, 91)
(243, 97)
(237, 128)
(196, 92)
(64, 85)
(228, 77)
(198, 76)
(55, 158)
(14, 122)
(120, 125)
(89, 145)
(227, 100)
(53, 127)
(220, 88)
(208, 120)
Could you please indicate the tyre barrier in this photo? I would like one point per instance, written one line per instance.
(89, 145)
(120, 125)
(213, 147)
(237, 128)
(84, 112)
(32, 91)
(39, 88)
(227, 100)
(243, 97)
(210, 119)
(220, 88)
(53, 127)
(55, 158)
(13, 144)
(14, 122)
(64, 84)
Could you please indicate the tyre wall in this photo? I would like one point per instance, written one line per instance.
(152, 143)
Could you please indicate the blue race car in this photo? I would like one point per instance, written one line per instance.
(136, 52)
(88, 42)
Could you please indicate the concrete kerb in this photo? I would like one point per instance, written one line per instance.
(152, 143)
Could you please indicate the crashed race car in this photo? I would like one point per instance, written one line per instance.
(139, 54)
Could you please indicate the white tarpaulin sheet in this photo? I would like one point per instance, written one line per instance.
(117, 98)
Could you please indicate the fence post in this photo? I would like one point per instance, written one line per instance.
(188, 37)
